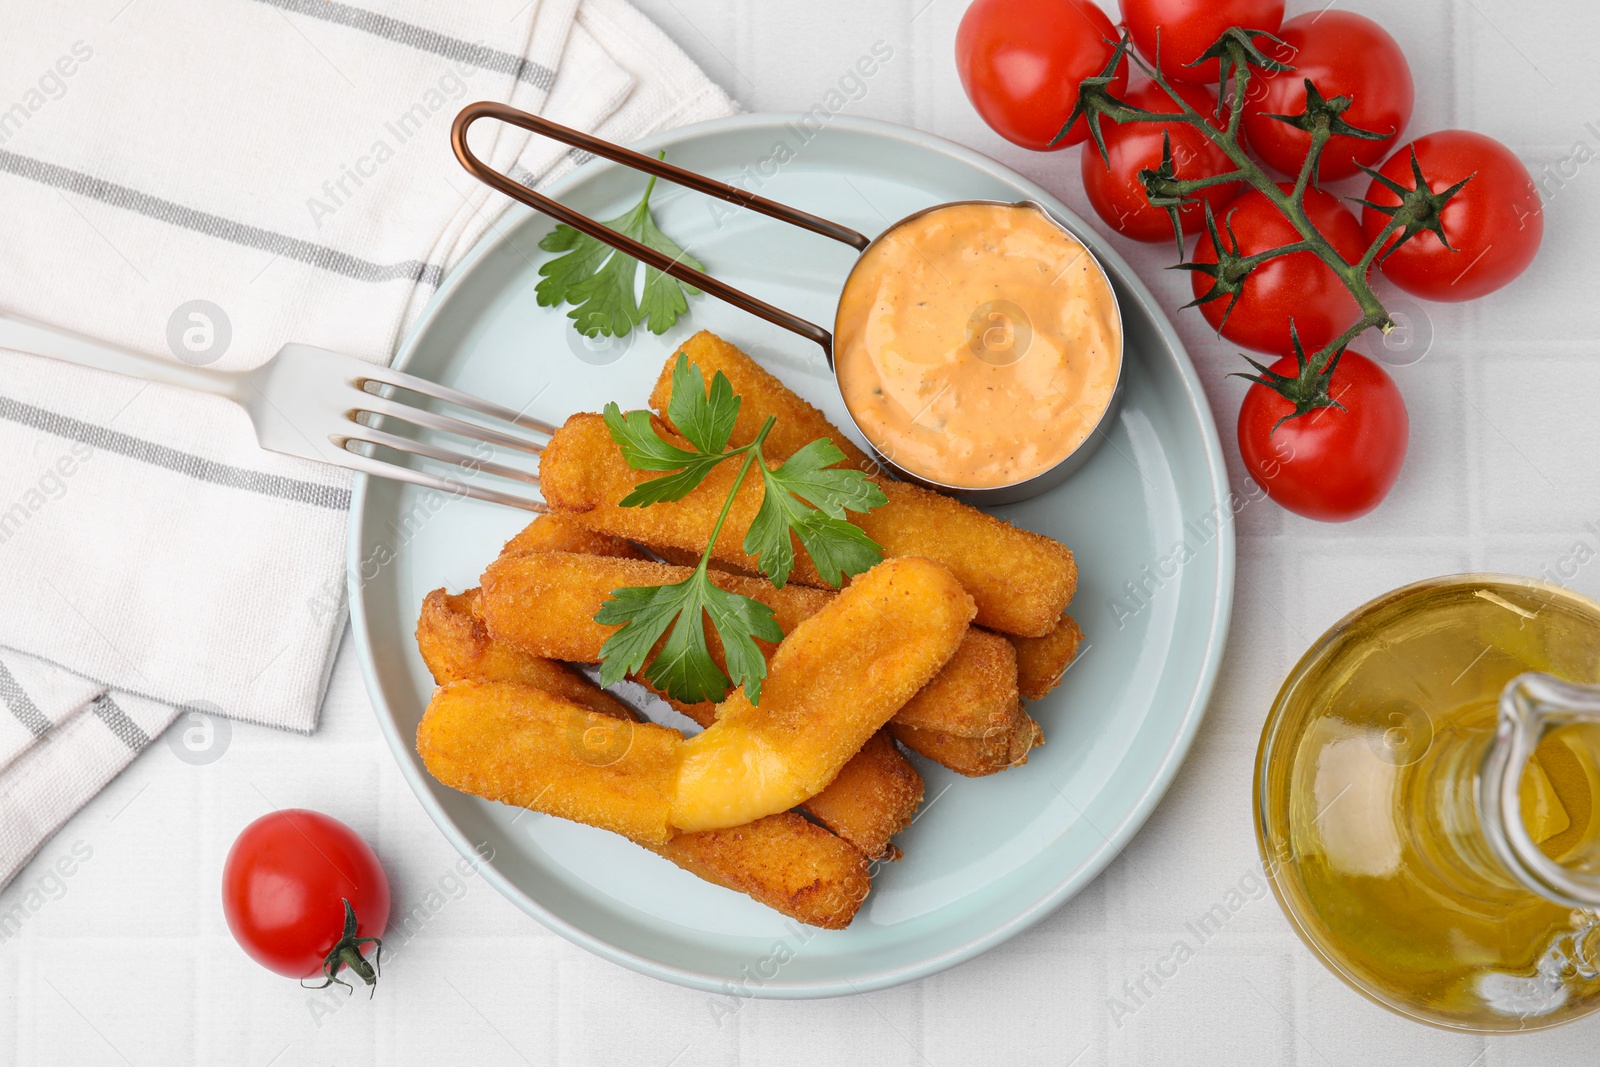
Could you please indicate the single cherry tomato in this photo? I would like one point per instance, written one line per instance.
(1332, 463)
(1020, 62)
(1189, 27)
(1297, 287)
(1113, 184)
(290, 886)
(1343, 54)
(1494, 222)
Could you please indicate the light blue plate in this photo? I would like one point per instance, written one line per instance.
(988, 857)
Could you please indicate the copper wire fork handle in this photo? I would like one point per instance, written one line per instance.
(661, 169)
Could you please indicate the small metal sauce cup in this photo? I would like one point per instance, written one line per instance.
(1021, 489)
(1052, 476)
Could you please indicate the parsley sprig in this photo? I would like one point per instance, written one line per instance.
(806, 496)
(599, 282)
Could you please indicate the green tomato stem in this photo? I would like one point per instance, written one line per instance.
(1291, 204)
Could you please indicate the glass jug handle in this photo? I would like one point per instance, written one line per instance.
(1530, 705)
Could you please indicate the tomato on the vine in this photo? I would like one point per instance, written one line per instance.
(1343, 54)
(1020, 63)
(303, 894)
(1189, 27)
(1332, 463)
(1113, 184)
(1493, 223)
(1297, 287)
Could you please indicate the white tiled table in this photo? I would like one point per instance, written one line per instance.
(131, 962)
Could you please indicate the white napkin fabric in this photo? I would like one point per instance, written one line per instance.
(287, 163)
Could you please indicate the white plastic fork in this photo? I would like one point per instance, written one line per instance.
(308, 402)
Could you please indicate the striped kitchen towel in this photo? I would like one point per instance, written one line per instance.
(210, 179)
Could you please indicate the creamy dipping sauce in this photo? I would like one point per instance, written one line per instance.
(977, 344)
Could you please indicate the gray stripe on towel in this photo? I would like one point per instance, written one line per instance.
(182, 707)
(239, 233)
(186, 463)
(423, 39)
(117, 721)
(21, 705)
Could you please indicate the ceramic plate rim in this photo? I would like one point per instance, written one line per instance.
(1114, 841)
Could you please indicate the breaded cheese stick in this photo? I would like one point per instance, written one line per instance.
(974, 757)
(833, 682)
(872, 799)
(1041, 661)
(552, 533)
(456, 646)
(475, 736)
(974, 695)
(1021, 581)
(544, 604)
(790, 865)
(798, 423)
(520, 745)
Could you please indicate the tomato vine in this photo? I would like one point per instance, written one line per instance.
(1322, 119)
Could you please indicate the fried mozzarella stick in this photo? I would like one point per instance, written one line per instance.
(1021, 581)
(832, 683)
(835, 679)
(798, 423)
(552, 533)
(521, 745)
(1041, 661)
(872, 799)
(515, 743)
(783, 861)
(457, 647)
(974, 756)
(545, 603)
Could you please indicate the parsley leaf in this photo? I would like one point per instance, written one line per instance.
(805, 498)
(706, 419)
(810, 474)
(644, 613)
(739, 620)
(599, 281)
(684, 667)
(642, 447)
(836, 547)
(644, 450)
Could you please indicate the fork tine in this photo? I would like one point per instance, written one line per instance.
(423, 387)
(395, 472)
(378, 405)
(371, 436)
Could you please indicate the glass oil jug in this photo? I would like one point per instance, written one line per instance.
(1428, 802)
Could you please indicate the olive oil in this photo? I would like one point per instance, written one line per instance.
(1367, 789)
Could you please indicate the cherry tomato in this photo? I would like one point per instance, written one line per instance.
(1343, 54)
(1020, 62)
(1298, 286)
(1329, 464)
(1116, 191)
(284, 891)
(1189, 27)
(1494, 223)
